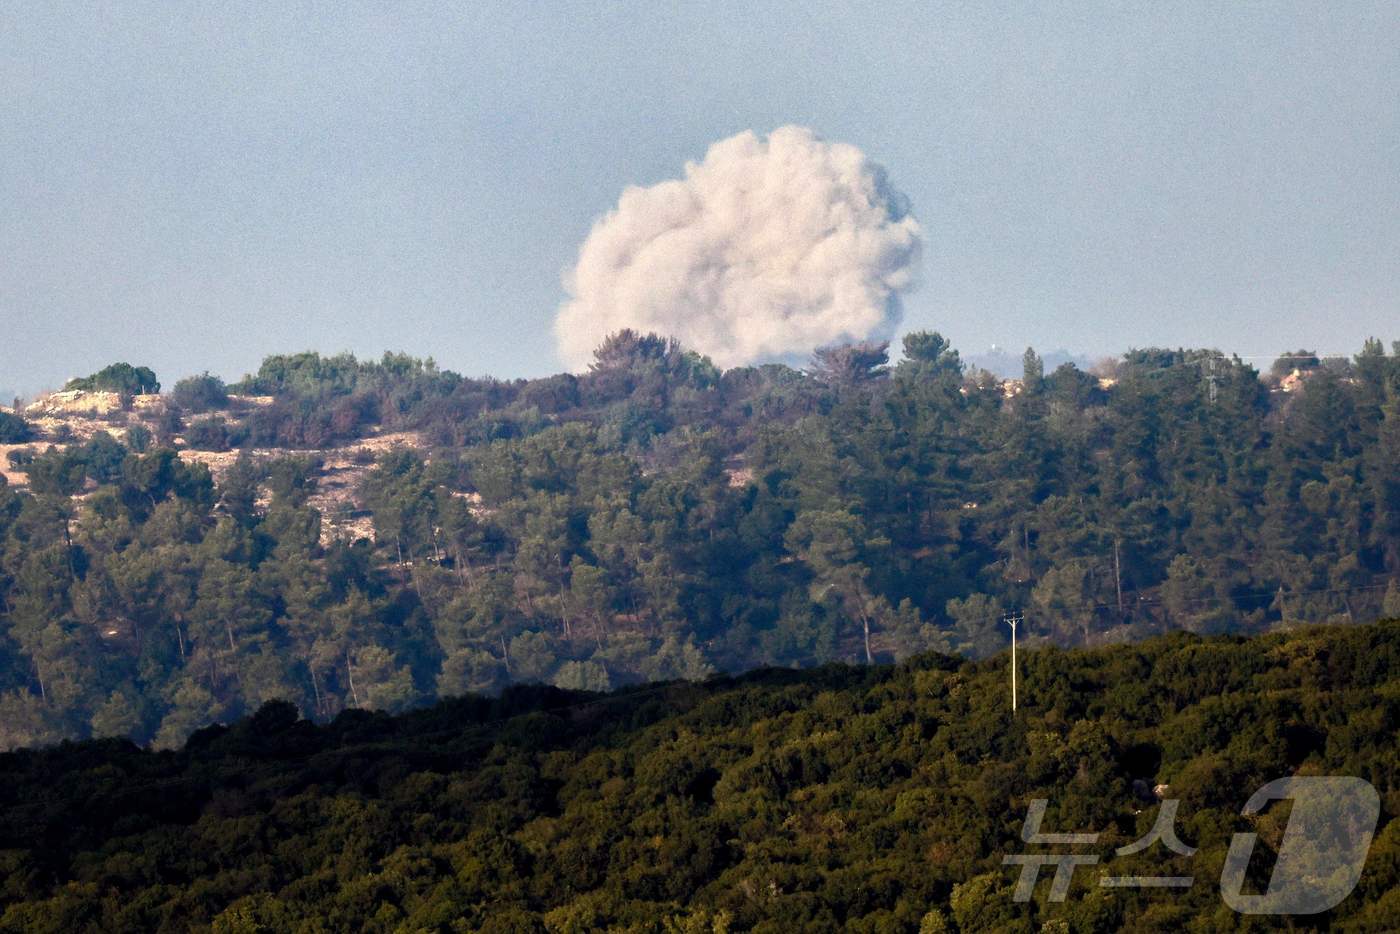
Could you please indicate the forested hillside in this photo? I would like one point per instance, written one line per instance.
(655, 518)
(861, 798)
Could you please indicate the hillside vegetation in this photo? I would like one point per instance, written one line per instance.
(869, 798)
(655, 518)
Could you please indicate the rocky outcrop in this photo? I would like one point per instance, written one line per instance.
(81, 402)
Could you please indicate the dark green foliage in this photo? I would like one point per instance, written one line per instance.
(210, 434)
(654, 519)
(200, 394)
(139, 439)
(13, 429)
(842, 798)
(119, 377)
(327, 400)
(847, 364)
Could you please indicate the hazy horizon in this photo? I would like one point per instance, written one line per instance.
(196, 191)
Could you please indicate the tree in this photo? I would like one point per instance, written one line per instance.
(628, 349)
(200, 394)
(591, 595)
(229, 620)
(238, 494)
(103, 457)
(13, 429)
(829, 543)
(138, 439)
(385, 685)
(1374, 371)
(1063, 600)
(1194, 596)
(930, 352)
(1384, 484)
(850, 364)
(1032, 370)
(292, 480)
(28, 720)
(983, 903)
(679, 660)
(193, 705)
(582, 676)
(117, 717)
(1390, 605)
(470, 671)
(400, 494)
(331, 650)
(120, 378)
(978, 624)
(531, 656)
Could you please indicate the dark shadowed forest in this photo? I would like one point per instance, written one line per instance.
(862, 798)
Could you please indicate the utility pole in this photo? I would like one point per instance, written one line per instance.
(1012, 621)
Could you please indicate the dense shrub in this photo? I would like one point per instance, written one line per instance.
(13, 429)
(139, 438)
(210, 434)
(119, 377)
(200, 394)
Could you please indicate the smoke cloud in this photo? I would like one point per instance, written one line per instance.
(766, 249)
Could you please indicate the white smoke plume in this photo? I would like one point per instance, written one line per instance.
(766, 249)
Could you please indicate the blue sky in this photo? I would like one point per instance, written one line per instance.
(189, 186)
